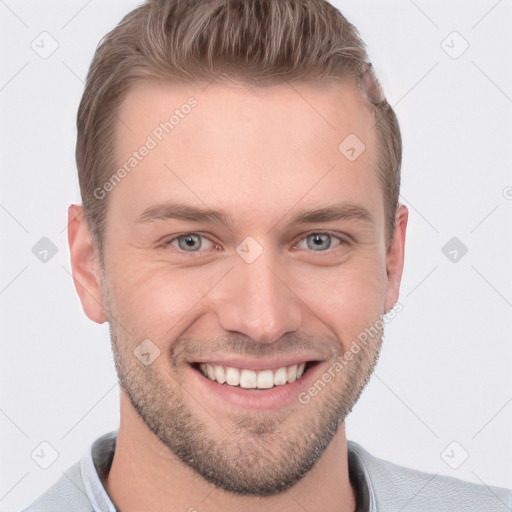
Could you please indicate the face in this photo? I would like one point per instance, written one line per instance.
(243, 245)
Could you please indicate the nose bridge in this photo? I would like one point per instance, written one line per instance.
(257, 302)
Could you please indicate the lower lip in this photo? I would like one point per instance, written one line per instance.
(276, 397)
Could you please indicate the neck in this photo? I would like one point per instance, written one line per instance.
(145, 475)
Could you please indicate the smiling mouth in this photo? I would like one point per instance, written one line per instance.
(252, 379)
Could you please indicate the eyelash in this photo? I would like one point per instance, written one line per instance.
(342, 242)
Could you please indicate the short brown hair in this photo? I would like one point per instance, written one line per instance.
(247, 41)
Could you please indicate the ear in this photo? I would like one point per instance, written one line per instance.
(84, 265)
(395, 257)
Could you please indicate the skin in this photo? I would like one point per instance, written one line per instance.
(261, 156)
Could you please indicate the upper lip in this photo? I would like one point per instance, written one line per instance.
(255, 364)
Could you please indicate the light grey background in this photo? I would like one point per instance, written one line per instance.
(444, 374)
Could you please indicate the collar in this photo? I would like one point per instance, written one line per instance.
(95, 465)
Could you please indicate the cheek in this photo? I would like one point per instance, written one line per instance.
(349, 298)
(157, 301)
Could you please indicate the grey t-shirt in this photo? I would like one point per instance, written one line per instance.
(380, 486)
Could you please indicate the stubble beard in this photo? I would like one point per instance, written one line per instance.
(258, 453)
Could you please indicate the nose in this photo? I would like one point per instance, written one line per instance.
(258, 301)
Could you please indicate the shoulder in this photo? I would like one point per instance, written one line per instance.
(66, 495)
(395, 486)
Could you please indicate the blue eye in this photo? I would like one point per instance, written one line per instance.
(195, 243)
(189, 241)
(320, 242)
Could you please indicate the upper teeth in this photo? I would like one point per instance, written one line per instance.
(250, 379)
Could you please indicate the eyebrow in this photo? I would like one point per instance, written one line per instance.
(340, 211)
(181, 211)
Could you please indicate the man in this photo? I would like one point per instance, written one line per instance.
(240, 228)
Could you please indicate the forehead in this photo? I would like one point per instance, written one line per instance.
(240, 148)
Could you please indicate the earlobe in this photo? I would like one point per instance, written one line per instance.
(395, 257)
(84, 265)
